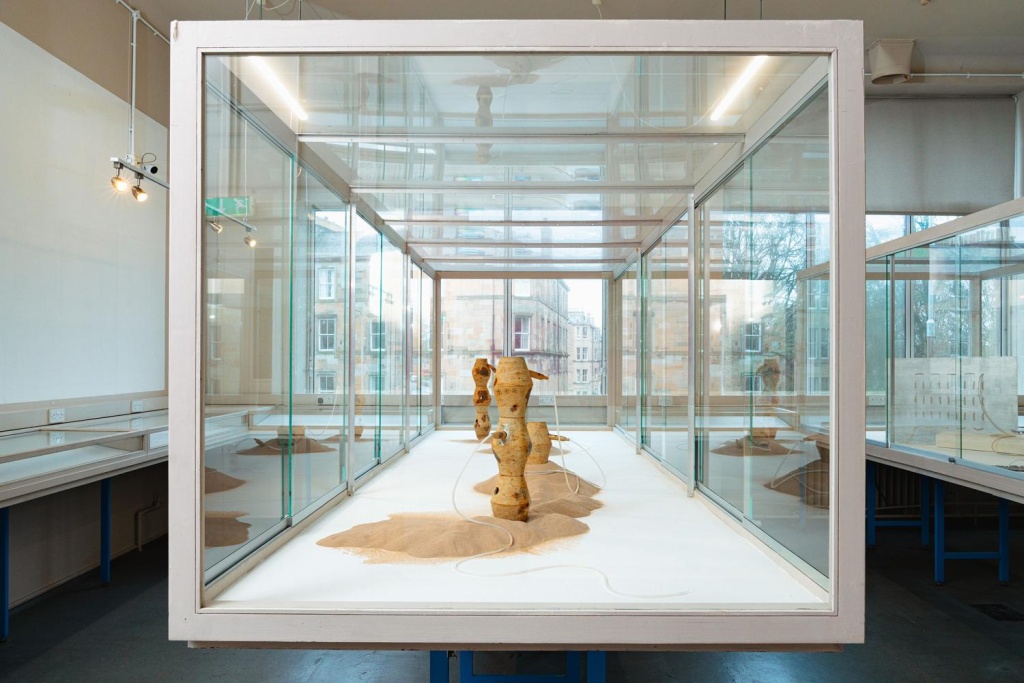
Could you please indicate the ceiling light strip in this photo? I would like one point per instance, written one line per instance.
(275, 82)
(752, 68)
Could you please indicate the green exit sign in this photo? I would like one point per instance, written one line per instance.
(228, 206)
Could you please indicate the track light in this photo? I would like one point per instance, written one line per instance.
(216, 227)
(120, 184)
(137, 191)
(250, 241)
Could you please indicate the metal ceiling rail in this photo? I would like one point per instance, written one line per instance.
(530, 136)
(484, 243)
(570, 223)
(522, 187)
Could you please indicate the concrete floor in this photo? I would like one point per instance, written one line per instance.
(915, 632)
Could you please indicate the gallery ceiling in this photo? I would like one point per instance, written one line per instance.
(571, 162)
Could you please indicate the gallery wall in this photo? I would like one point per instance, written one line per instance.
(939, 156)
(82, 267)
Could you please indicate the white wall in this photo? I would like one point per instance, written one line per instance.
(951, 156)
(82, 268)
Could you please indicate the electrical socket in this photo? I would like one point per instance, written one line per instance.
(136, 406)
(876, 400)
(546, 400)
(55, 415)
(56, 438)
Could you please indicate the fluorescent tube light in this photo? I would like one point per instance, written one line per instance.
(755, 65)
(275, 82)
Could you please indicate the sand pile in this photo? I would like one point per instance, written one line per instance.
(275, 447)
(549, 493)
(809, 483)
(424, 536)
(223, 528)
(216, 481)
(759, 446)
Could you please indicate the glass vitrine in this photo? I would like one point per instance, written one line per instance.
(656, 217)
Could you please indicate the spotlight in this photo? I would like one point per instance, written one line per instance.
(216, 227)
(250, 241)
(137, 191)
(120, 184)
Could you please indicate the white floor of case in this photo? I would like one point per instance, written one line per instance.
(648, 539)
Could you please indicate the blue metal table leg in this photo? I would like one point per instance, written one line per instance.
(438, 666)
(465, 665)
(940, 532)
(597, 667)
(871, 501)
(5, 573)
(573, 666)
(1004, 540)
(926, 488)
(105, 519)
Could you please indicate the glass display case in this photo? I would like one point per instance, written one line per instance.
(944, 354)
(658, 218)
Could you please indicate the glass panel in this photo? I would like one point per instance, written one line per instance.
(764, 417)
(414, 341)
(957, 373)
(426, 367)
(367, 349)
(320, 347)
(246, 231)
(878, 326)
(472, 326)
(628, 308)
(666, 358)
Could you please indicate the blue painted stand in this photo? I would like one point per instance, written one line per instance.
(5, 573)
(942, 555)
(105, 520)
(596, 670)
(872, 502)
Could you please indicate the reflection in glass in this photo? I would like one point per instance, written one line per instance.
(955, 374)
(245, 329)
(319, 345)
(628, 308)
(665, 396)
(764, 428)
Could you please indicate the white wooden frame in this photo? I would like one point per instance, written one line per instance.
(841, 622)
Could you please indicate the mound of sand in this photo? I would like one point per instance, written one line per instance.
(274, 447)
(216, 481)
(426, 536)
(554, 510)
(223, 528)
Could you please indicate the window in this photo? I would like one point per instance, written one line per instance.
(326, 333)
(817, 381)
(582, 352)
(752, 382)
(581, 376)
(817, 342)
(752, 337)
(586, 332)
(325, 284)
(579, 332)
(521, 338)
(376, 382)
(817, 294)
(378, 335)
(216, 339)
(325, 382)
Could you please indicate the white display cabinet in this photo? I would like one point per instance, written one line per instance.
(345, 194)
